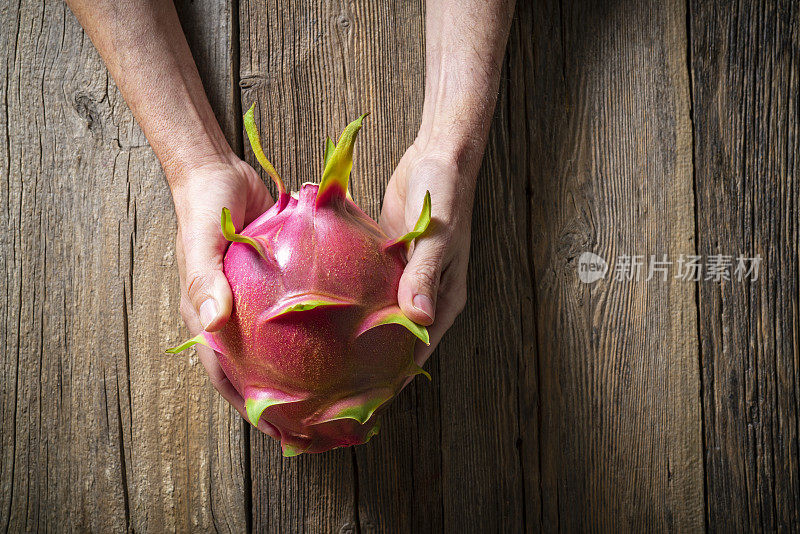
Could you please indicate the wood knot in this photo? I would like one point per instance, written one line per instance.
(250, 81)
(86, 107)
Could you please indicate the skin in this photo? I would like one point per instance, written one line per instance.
(143, 46)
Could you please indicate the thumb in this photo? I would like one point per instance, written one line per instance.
(420, 282)
(206, 285)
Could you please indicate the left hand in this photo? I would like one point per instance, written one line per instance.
(433, 288)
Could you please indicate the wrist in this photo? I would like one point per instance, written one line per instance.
(461, 149)
(183, 164)
(455, 127)
(460, 95)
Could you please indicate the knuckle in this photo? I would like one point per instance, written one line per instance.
(426, 273)
(197, 283)
(435, 164)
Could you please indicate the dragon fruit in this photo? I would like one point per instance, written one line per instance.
(316, 343)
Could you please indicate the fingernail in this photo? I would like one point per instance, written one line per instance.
(424, 304)
(208, 312)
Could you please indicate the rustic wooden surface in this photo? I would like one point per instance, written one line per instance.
(611, 172)
(622, 128)
(746, 76)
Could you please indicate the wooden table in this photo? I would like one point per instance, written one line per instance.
(623, 128)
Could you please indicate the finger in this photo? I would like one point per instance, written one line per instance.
(392, 218)
(188, 313)
(258, 198)
(210, 359)
(419, 284)
(206, 285)
(222, 384)
(219, 379)
(451, 301)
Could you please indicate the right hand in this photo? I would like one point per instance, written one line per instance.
(206, 298)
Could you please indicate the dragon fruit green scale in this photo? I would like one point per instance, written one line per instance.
(316, 343)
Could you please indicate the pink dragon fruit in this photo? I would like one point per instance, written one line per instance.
(316, 343)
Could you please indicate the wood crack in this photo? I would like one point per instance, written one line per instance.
(698, 312)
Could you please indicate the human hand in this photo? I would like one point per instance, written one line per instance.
(206, 298)
(461, 84)
(433, 288)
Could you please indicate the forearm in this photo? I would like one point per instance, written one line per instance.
(465, 44)
(143, 46)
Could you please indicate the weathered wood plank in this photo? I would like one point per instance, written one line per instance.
(296, 64)
(746, 79)
(610, 157)
(61, 405)
(312, 68)
(101, 431)
(221, 455)
(481, 358)
(518, 107)
(484, 362)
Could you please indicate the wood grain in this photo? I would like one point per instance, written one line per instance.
(221, 501)
(621, 128)
(745, 61)
(311, 68)
(610, 160)
(481, 362)
(101, 431)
